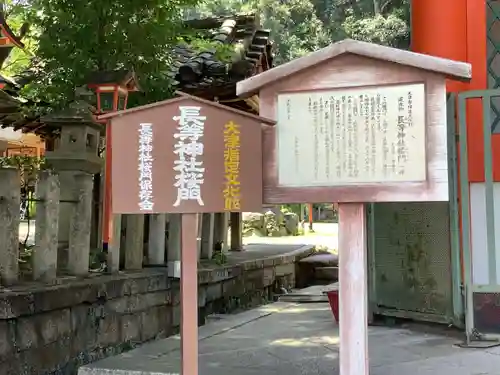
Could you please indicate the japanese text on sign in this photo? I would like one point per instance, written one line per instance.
(232, 193)
(145, 167)
(188, 168)
(352, 136)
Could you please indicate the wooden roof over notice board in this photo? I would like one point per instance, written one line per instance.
(451, 69)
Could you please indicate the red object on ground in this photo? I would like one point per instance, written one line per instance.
(333, 298)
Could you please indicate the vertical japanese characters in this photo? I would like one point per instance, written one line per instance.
(188, 167)
(232, 192)
(313, 109)
(296, 143)
(146, 202)
(354, 136)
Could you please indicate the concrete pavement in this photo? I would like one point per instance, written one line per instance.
(293, 339)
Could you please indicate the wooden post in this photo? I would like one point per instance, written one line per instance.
(189, 295)
(79, 233)
(353, 292)
(10, 199)
(47, 227)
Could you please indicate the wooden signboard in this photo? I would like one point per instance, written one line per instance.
(186, 155)
(360, 115)
(356, 123)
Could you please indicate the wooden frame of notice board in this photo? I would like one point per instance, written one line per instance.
(357, 67)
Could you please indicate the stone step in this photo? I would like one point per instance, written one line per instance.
(323, 259)
(315, 293)
(326, 273)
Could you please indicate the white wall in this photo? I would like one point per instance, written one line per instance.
(480, 261)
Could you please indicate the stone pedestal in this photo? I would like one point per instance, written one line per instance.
(236, 232)
(221, 224)
(114, 245)
(80, 224)
(68, 198)
(134, 242)
(47, 227)
(156, 247)
(10, 200)
(207, 236)
(174, 245)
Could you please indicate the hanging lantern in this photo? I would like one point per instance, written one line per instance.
(111, 89)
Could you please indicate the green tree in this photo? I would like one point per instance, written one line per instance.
(71, 39)
(295, 28)
(299, 27)
(18, 59)
(77, 38)
(379, 21)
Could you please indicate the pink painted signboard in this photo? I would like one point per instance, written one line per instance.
(356, 122)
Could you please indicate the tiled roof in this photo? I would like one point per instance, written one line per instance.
(201, 73)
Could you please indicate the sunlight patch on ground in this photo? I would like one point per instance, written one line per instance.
(307, 341)
(292, 310)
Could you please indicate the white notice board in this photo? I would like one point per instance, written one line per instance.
(352, 136)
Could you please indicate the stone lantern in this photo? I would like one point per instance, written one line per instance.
(76, 159)
(77, 148)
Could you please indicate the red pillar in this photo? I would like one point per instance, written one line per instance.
(456, 29)
(310, 207)
(438, 28)
(107, 229)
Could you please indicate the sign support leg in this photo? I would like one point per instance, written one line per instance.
(353, 291)
(189, 295)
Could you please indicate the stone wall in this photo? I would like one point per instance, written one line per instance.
(53, 330)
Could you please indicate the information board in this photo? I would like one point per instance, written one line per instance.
(186, 155)
(352, 136)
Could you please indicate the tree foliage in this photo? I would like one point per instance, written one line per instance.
(71, 39)
(301, 26)
(76, 38)
(19, 59)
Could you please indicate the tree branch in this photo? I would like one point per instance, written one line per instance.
(385, 5)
